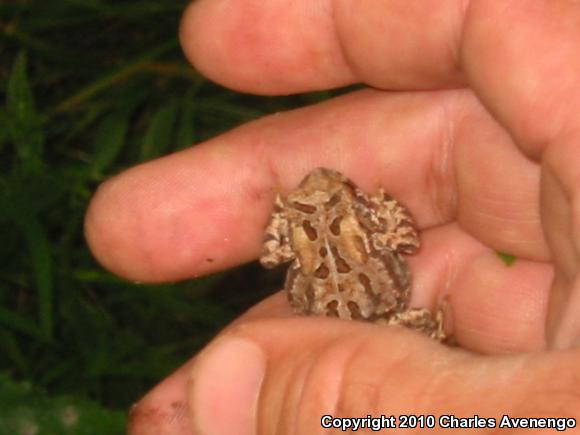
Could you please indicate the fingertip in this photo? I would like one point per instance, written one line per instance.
(197, 41)
(164, 410)
(137, 224)
(266, 48)
(102, 221)
(225, 387)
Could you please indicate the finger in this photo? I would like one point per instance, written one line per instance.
(263, 380)
(561, 199)
(501, 309)
(164, 409)
(486, 45)
(492, 308)
(539, 102)
(500, 315)
(303, 45)
(205, 209)
(522, 60)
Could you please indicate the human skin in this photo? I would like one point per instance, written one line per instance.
(471, 122)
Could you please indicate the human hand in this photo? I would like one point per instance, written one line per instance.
(484, 156)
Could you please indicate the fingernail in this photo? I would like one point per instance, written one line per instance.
(225, 387)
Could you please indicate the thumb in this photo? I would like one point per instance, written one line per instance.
(282, 376)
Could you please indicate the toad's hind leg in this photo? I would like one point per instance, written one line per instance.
(422, 320)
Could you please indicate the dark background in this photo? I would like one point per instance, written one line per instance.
(90, 87)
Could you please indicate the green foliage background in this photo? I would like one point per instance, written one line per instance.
(88, 88)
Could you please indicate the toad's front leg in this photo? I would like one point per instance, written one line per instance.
(400, 233)
(277, 248)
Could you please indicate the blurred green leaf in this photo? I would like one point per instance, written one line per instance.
(39, 249)
(20, 323)
(24, 127)
(10, 347)
(160, 133)
(28, 410)
(185, 136)
(108, 80)
(19, 100)
(4, 126)
(507, 259)
(109, 140)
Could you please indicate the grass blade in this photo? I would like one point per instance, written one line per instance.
(39, 249)
(159, 136)
(23, 122)
(109, 141)
(185, 135)
(20, 324)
